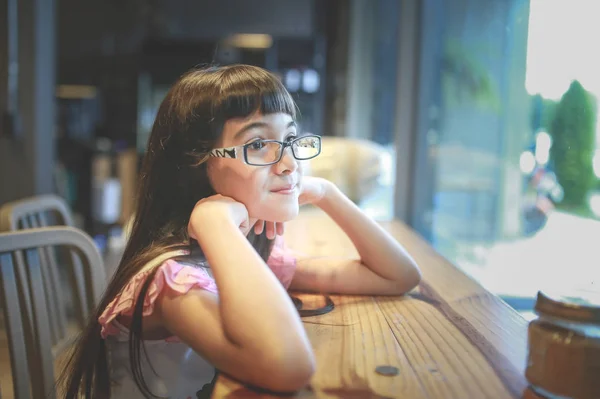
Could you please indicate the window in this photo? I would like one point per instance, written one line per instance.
(509, 192)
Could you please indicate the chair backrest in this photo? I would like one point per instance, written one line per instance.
(33, 212)
(45, 211)
(29, 340)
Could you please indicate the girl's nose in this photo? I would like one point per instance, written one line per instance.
(287, 163)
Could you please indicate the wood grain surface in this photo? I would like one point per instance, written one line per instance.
(449, 338)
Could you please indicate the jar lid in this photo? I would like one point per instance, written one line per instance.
(580, 305)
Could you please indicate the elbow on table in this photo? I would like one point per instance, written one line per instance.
(409, 280)
(415, 278)
(288, 373)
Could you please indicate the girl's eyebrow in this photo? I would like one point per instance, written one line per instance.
(255, 125)
(250, 126)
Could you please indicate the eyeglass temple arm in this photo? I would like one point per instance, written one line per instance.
(229, 152)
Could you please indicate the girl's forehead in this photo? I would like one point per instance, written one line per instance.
(234, 129)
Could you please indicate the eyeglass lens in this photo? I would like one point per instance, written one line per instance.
(266, 152)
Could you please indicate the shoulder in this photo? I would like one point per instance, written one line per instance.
(171, 276)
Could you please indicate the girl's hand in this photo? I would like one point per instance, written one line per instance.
(273, 228)
(313, 190)
(212, 209)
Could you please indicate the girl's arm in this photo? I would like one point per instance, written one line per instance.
(384, 268)
(251, 330)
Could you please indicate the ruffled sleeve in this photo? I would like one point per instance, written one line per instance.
(181, 279)
(177, 277)
(282, 262)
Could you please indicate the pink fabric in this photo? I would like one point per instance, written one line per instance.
(283, 262)
(181, 279)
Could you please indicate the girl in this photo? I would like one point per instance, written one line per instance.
(202, 282)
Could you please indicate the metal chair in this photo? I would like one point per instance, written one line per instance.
(27, 313)
(45, 211)
(33, 212)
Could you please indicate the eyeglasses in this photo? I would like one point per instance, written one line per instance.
(269, 152)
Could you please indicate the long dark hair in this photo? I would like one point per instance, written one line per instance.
(173, 178)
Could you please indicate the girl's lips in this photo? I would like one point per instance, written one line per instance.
(285, 190)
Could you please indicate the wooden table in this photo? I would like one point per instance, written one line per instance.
(449, 338)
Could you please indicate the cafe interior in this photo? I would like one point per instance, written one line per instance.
(442, 120)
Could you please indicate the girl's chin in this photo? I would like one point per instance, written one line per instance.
(278, 214)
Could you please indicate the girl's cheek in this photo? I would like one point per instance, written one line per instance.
(303, 166)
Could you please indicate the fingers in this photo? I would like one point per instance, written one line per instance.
(270, 230)
(245, 226)
(259, 226)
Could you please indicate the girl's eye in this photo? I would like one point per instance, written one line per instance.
(257, 145)
(291, 137)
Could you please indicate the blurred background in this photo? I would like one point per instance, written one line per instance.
(474, 121)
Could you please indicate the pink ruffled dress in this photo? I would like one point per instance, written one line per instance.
(180, 372)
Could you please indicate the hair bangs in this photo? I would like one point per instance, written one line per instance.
(246, 91)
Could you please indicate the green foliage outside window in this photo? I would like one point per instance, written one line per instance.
(573, 136)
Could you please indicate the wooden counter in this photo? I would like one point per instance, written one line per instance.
(449, 338)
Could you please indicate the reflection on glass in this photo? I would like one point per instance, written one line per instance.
(514, 185)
